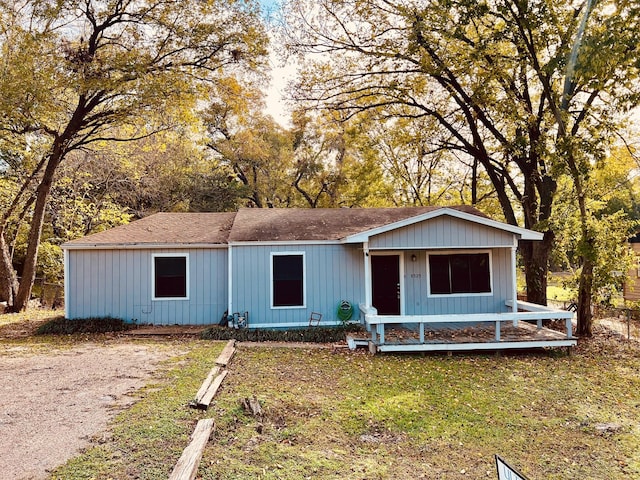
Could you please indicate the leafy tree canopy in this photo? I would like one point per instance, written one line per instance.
(76, 72)
(527, 90)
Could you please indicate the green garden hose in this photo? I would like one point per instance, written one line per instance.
(345, 311)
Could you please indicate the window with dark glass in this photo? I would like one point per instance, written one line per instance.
(459, 273)
(170, 277)
(288, 280)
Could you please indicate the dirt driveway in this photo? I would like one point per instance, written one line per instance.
(53, 403)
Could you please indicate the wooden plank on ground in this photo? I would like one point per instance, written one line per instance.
(227, 354)
(205, 386)
(206, 399)
(187, 466)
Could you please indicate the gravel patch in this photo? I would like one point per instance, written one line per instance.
(52, 405)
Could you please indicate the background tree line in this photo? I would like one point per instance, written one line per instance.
(114, 110)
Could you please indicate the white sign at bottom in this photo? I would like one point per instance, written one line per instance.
(506, 471)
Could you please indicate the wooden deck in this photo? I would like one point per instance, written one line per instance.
(499, 331)
(447, 337)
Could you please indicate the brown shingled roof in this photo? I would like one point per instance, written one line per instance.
(166, 228)
(287, 224)
(253, 225)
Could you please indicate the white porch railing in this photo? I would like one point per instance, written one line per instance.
(525, 311)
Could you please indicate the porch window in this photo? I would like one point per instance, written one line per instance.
(459, 273)
(170, 276)
(287, 280)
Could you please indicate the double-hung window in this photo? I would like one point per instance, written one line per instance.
(170, 273)
(459, 273)
(287, 280)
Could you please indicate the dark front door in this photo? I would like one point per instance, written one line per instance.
(385, 279)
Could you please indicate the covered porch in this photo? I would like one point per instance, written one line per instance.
(521, 328)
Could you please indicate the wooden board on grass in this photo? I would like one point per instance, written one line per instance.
(205, 385)
(207, 398)
(187, 466)
(227, 354)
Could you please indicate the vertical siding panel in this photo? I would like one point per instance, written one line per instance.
(84, 271)
(207, 297)
(97, 298)
(209, 293)
(192, 311)
(222, 285)
(136, 285)
(123, 288)
(107, 283)
(96, 278)
(311, 275)
(70, 289)
(78, 267)
(80, 258)
(262, 303)
(82, 268)
(118, 283)
(439, 234)
(74, 290)
(333, 272)
(89, 295)
(114, 273)
(134, 301)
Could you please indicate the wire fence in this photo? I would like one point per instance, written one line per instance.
(48, 294)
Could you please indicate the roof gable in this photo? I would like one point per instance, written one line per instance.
(463, 214)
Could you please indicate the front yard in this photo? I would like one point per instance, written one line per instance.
(351, 415)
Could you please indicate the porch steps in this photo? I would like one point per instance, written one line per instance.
(355, 342)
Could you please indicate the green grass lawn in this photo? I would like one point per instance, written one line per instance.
(355, 416)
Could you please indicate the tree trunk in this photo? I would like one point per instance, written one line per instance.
(589, 257)
(535, 257)
(23, 295)
(585, 318)
(8, 278)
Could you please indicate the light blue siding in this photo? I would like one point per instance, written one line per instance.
(443, 232)
(117, 283)
(417, 302)
(332, 273)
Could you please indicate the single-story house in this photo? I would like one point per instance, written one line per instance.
(415, 267)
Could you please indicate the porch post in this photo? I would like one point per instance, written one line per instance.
(367, 274)
(514, 270)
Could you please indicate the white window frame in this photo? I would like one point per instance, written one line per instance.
(304, 280)
(184, 255)
(454, 295)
